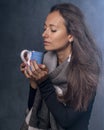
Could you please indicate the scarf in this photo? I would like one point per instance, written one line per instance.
(39, 117)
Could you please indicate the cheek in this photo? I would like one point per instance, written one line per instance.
(60, 38)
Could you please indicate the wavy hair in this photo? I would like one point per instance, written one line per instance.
(84, 67)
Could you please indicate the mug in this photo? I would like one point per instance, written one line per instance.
(27, 55)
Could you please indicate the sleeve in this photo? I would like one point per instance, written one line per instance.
(63, 114)
(32, 93)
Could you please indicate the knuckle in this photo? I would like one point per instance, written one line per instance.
(37, 69)
(33, 71)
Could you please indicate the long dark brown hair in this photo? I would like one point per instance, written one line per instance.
(84, 67)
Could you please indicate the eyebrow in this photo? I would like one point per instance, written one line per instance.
(51, 25)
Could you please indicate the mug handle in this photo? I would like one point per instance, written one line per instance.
(28, 56)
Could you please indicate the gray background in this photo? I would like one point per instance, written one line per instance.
(21, 25)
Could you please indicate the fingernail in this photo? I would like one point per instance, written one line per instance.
(43, 66)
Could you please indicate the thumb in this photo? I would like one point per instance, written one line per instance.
(44, 67)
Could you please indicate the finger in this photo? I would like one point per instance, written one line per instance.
(26, 74)
(22, 66)
(36, 66)
(43, 67)
(29, 72)
(33, 69)
(32, 66)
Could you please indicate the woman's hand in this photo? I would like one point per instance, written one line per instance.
(38, 72)
(23, 69)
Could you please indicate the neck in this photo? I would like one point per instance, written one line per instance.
(62, 55)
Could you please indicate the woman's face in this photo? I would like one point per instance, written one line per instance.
(55, 34)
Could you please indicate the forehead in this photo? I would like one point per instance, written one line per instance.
(54, 18)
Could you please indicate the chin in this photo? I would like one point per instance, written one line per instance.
(48, 49)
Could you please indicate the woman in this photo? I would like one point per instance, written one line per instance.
(63, 88)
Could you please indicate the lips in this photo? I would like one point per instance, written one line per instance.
(46, 43)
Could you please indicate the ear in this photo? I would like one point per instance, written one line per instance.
(70, 38)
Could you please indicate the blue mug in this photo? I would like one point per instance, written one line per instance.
(27, 55)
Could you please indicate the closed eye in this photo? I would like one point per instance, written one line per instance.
(53, 30)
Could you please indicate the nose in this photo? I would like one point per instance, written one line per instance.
(45, 34)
